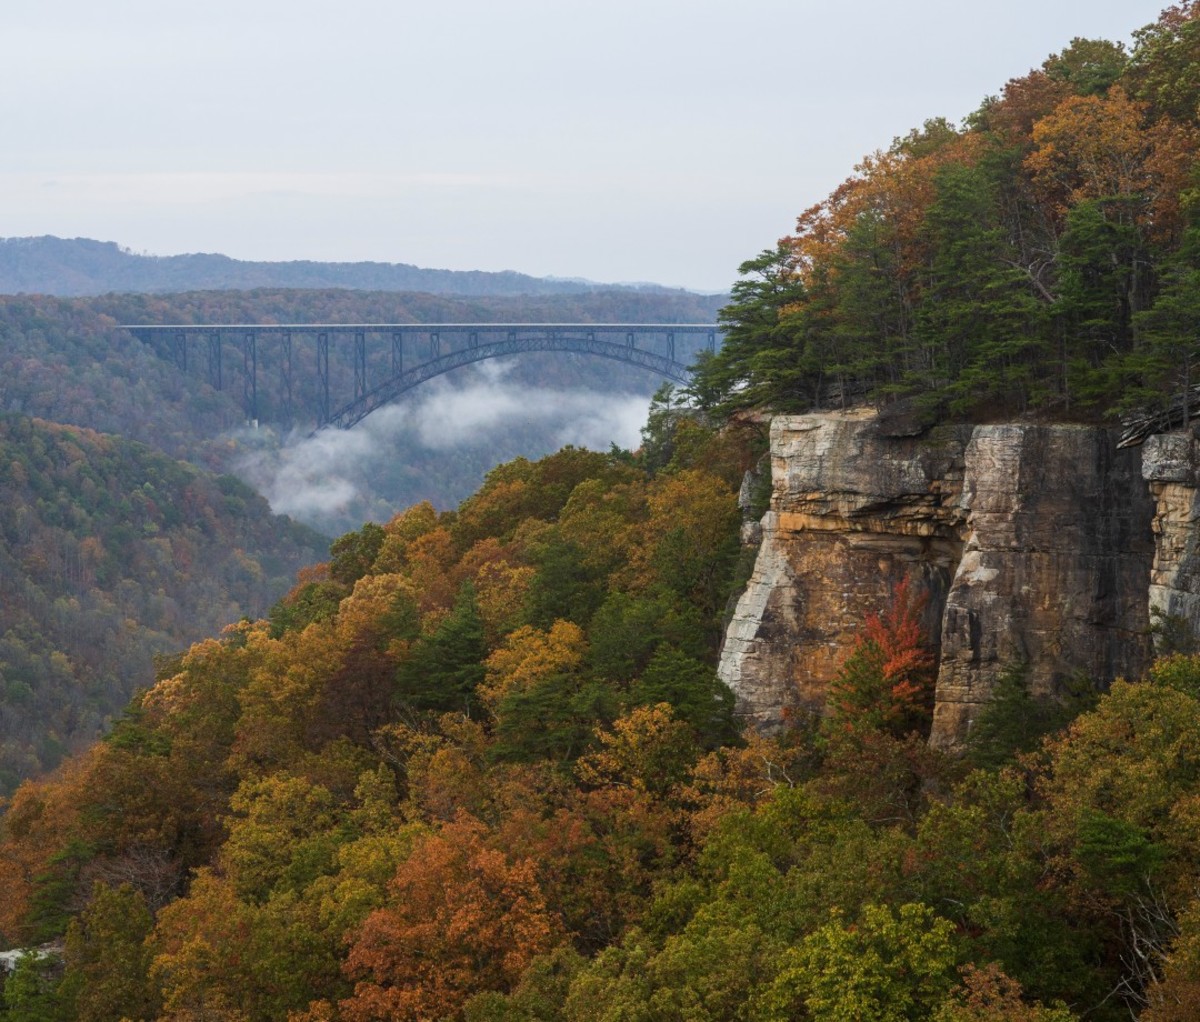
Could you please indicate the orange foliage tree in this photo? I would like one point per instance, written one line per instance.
(462, 918)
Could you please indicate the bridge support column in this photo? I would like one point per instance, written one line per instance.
(170, 341)
(214, 360)
(285, 369)
(360, 364)
(250, 379)
(323, 378)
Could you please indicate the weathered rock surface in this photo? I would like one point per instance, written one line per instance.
(1055, 568)
(1033, 543)
(852, 513)
(1171, 467)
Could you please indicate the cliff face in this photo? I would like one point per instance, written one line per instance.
(852, 513)
(1034, 545)
(1055, 569)
(1171, 467)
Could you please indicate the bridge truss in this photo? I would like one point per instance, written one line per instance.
(390, 359)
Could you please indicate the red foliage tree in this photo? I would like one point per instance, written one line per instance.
(887, 680)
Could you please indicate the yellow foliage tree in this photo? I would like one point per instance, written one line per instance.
(529, 656)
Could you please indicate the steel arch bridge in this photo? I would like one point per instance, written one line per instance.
(417, 352)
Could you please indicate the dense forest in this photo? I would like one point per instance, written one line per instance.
(81, 266)
(479, 767)
(151, 555)
(111, 552)
(1042, 258)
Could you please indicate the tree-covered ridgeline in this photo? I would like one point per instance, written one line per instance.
(443, 673)
(1041, 258)
(66, 360)
(81, 266)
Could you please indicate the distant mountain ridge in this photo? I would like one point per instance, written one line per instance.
(81, 266)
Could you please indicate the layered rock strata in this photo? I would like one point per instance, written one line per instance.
(1032, 543)
(852, 513)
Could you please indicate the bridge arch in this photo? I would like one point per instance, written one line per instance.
(375, 385)
(388, 391)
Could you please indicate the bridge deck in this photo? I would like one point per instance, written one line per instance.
(422, 327)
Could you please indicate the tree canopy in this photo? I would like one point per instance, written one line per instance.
(1035, 259)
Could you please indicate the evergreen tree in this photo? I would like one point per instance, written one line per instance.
(978, 326)
(760, 362)
(445, 667)
(1161, 372)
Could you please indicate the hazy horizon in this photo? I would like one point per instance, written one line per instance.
(648, 141)
(126, 249)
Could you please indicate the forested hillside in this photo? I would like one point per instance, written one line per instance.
(479, 767)
(111, 552)
(81, 266)
(1044, 257)
(66, 360)
(79, 628)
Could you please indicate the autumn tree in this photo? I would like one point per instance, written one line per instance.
(988, 995)
(646, 750)
(1120, 821)
(890, 966)
(461, 919)
(107, 962)
(886, 682)
(530, 656)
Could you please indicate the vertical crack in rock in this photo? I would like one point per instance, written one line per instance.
(853, 512)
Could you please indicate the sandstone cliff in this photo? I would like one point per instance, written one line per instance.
(1171, 465)
(1035, 544)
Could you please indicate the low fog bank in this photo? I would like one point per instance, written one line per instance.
(436, 444)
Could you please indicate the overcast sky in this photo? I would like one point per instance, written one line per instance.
(619, 140)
